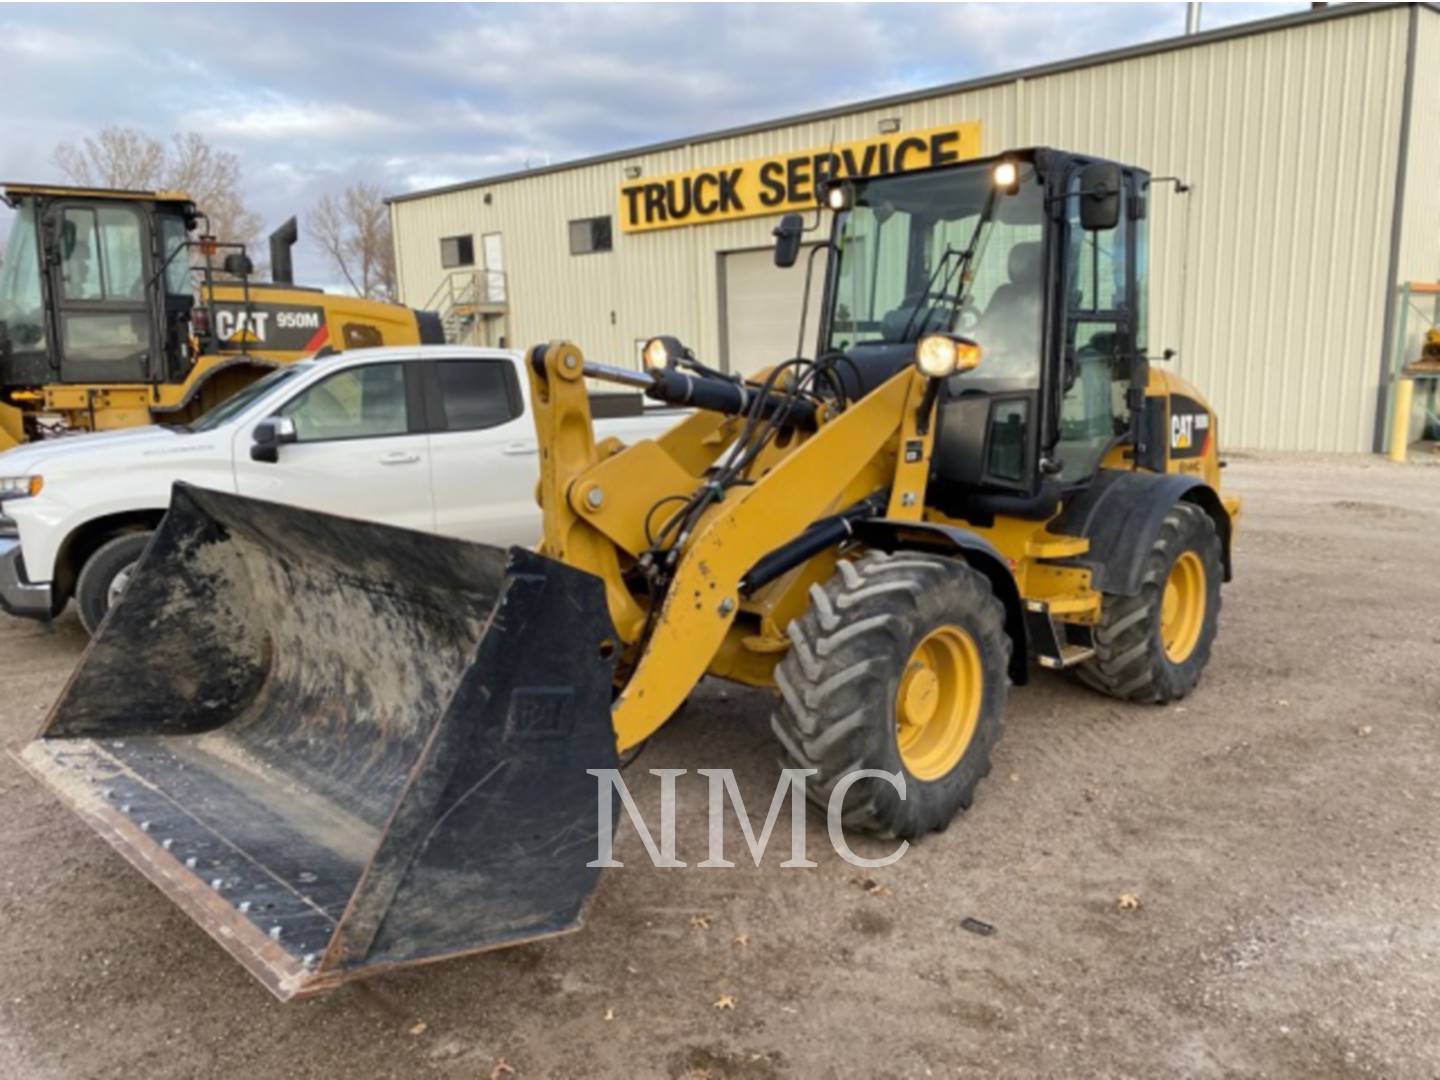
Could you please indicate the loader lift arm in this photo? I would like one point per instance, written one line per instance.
(850, 456)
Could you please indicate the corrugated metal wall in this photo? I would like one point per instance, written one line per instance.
(1268, 277)
(1420, 249)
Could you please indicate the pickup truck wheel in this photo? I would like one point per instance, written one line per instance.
(104, 577)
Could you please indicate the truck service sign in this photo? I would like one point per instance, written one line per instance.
(784, 182)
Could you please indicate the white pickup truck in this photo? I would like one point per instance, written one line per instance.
(434, 438)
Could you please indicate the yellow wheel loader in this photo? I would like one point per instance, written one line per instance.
(104, 325)
(343, 747)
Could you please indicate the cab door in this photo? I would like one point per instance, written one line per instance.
(360, 449)
(98, 261)
(1104, 330)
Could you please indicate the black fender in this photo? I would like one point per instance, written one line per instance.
(260, 363)
(891, 534)
(1120, 513)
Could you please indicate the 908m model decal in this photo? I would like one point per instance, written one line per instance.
(1189, 427)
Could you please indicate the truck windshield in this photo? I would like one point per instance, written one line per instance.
(232, 407)
(20, 299)
(944, 250)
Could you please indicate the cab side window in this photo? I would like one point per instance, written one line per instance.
(1099, 343)
(102, 254)
(359, 403)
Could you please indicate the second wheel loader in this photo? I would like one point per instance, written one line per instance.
(343, 747)
(104, 325)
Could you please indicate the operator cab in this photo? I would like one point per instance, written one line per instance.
(95, 286)
(1039, 257)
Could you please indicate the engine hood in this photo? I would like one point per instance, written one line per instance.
(108, 447)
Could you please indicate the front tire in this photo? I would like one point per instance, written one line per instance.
(104, 577)
(900, 664)
(1154, 646)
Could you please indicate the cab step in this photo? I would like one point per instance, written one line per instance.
(1057, 645)
(1070, 655)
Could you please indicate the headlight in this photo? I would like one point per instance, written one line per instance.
(942, 355)
(838, 195)
(1006, 177)
(662, 352)
(20, 487)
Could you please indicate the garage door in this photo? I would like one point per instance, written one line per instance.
(762, 308)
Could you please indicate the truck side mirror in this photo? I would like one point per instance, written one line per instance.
(269, 436)
(1101, 183)
(787, 240)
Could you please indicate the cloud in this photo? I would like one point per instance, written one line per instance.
(312, 97)
(276, 118)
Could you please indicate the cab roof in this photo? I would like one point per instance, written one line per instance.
(14, 191)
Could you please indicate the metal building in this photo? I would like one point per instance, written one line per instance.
(1310, 144)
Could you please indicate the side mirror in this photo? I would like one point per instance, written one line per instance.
(787, 240)
(1101, 184)
(269, 436)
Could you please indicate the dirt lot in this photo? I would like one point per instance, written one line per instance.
(1279, 829)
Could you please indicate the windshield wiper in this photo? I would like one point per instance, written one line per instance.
(962, 268)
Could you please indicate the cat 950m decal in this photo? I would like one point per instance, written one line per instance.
(274, 327)
(1189, 427)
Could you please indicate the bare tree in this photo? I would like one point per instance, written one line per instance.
(212, 178)
(353, 228)
(125, 158)
(116, 158)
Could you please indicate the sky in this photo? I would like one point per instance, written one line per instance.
(313, 97)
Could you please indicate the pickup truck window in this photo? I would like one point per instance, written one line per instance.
(358, 403)
(238, 403)
(476, 394)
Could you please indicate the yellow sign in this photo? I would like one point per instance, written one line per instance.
(783, 182)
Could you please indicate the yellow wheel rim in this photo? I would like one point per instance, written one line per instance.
(1182, 611)
(937, 707)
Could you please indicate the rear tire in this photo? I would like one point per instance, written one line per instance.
(891, 645)
(104, 576)
(1133, 660)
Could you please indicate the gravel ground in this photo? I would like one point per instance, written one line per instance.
(1278, 829)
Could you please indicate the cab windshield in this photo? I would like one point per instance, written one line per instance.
(20, 298)
(944, 251)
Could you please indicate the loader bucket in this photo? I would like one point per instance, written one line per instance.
(342, 747)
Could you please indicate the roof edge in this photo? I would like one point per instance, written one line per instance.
(1056, 67)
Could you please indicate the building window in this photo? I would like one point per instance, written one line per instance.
(457, 251)
(589, 235)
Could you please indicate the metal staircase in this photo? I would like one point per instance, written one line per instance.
(473, 306)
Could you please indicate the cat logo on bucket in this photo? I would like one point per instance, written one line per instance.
(784, 182)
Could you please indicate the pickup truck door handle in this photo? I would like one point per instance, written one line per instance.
(399, 457)
(516, 449)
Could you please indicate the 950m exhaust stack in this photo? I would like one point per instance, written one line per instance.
(342, 747)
